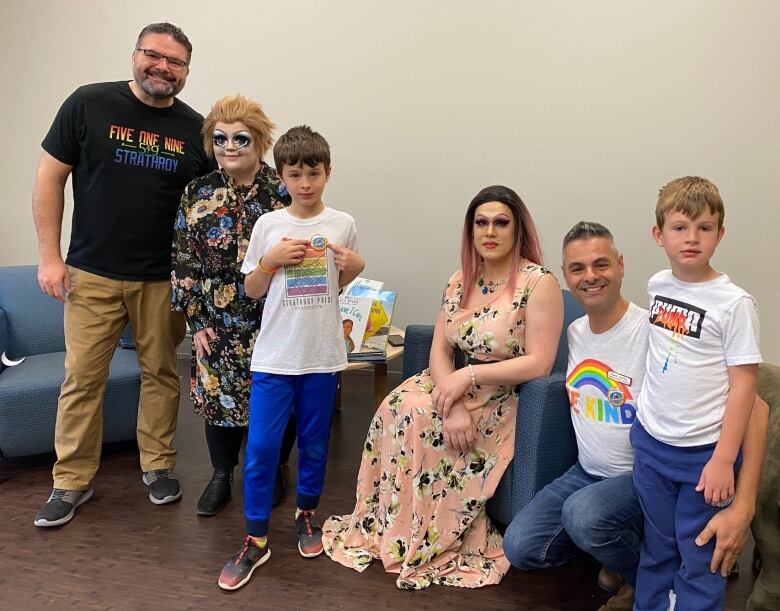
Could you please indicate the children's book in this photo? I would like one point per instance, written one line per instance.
(355, 312)
(374, 344)
(363, 287)
(366, 313)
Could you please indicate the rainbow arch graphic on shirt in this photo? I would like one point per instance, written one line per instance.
(592, 373)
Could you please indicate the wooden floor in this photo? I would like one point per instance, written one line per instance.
(122, 552)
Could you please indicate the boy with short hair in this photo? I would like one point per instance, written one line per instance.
(298, 257)
(695, 402)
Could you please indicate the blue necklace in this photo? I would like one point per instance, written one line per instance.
(488, 286)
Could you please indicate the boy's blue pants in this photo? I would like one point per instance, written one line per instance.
(665, 479)
(271, 401)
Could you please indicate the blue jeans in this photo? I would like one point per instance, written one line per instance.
(578, 511)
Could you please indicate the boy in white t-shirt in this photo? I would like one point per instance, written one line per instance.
(298, 257)
(695, 402)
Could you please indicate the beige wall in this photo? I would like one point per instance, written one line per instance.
(585, 108)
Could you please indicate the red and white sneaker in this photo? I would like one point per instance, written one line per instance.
(309, 534)
(240, 567)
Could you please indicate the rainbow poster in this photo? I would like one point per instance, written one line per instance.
(601, 394)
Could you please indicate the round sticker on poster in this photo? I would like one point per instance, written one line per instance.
(318, 242)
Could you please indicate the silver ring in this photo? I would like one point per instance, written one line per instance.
(725, 503)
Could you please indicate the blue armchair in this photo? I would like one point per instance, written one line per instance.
(545, 445)
(31, 326)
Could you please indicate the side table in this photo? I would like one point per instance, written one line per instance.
(380, 369)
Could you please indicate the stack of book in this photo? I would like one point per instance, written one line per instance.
(366, 314)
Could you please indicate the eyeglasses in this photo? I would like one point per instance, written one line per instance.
(155, 57)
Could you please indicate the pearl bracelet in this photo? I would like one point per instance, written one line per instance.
(473, 378)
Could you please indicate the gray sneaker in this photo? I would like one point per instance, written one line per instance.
(61, 506)
(163, 486)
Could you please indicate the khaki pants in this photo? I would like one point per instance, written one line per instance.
(96, 311)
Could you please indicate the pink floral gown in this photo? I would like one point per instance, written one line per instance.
(421, 505)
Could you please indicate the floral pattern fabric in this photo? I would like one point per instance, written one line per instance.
(420, 506)
(212, 231)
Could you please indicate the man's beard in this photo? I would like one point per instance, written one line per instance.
(155, 90)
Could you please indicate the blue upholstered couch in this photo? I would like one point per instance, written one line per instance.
(544, 439)
(31, 326)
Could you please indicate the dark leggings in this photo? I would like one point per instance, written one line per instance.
(224, 443)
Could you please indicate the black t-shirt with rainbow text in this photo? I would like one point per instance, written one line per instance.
(131, 164)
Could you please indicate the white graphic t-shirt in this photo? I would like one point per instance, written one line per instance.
(697, 331)
(603, 379)
(301, 330)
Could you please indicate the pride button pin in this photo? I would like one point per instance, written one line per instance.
(318, 242)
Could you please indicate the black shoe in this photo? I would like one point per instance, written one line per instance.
(216, 493)
(61, 506)
(163, 486)
(280, 485)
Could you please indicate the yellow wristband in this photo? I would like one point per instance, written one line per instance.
(265, 271)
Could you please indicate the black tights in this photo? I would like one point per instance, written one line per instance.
(224, 444)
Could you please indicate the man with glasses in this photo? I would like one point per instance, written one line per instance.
(130, 147)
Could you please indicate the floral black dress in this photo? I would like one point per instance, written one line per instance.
(211, 235)
(420, 505)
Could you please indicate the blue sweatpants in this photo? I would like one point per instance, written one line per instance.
(271, 401)
(665, 479)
